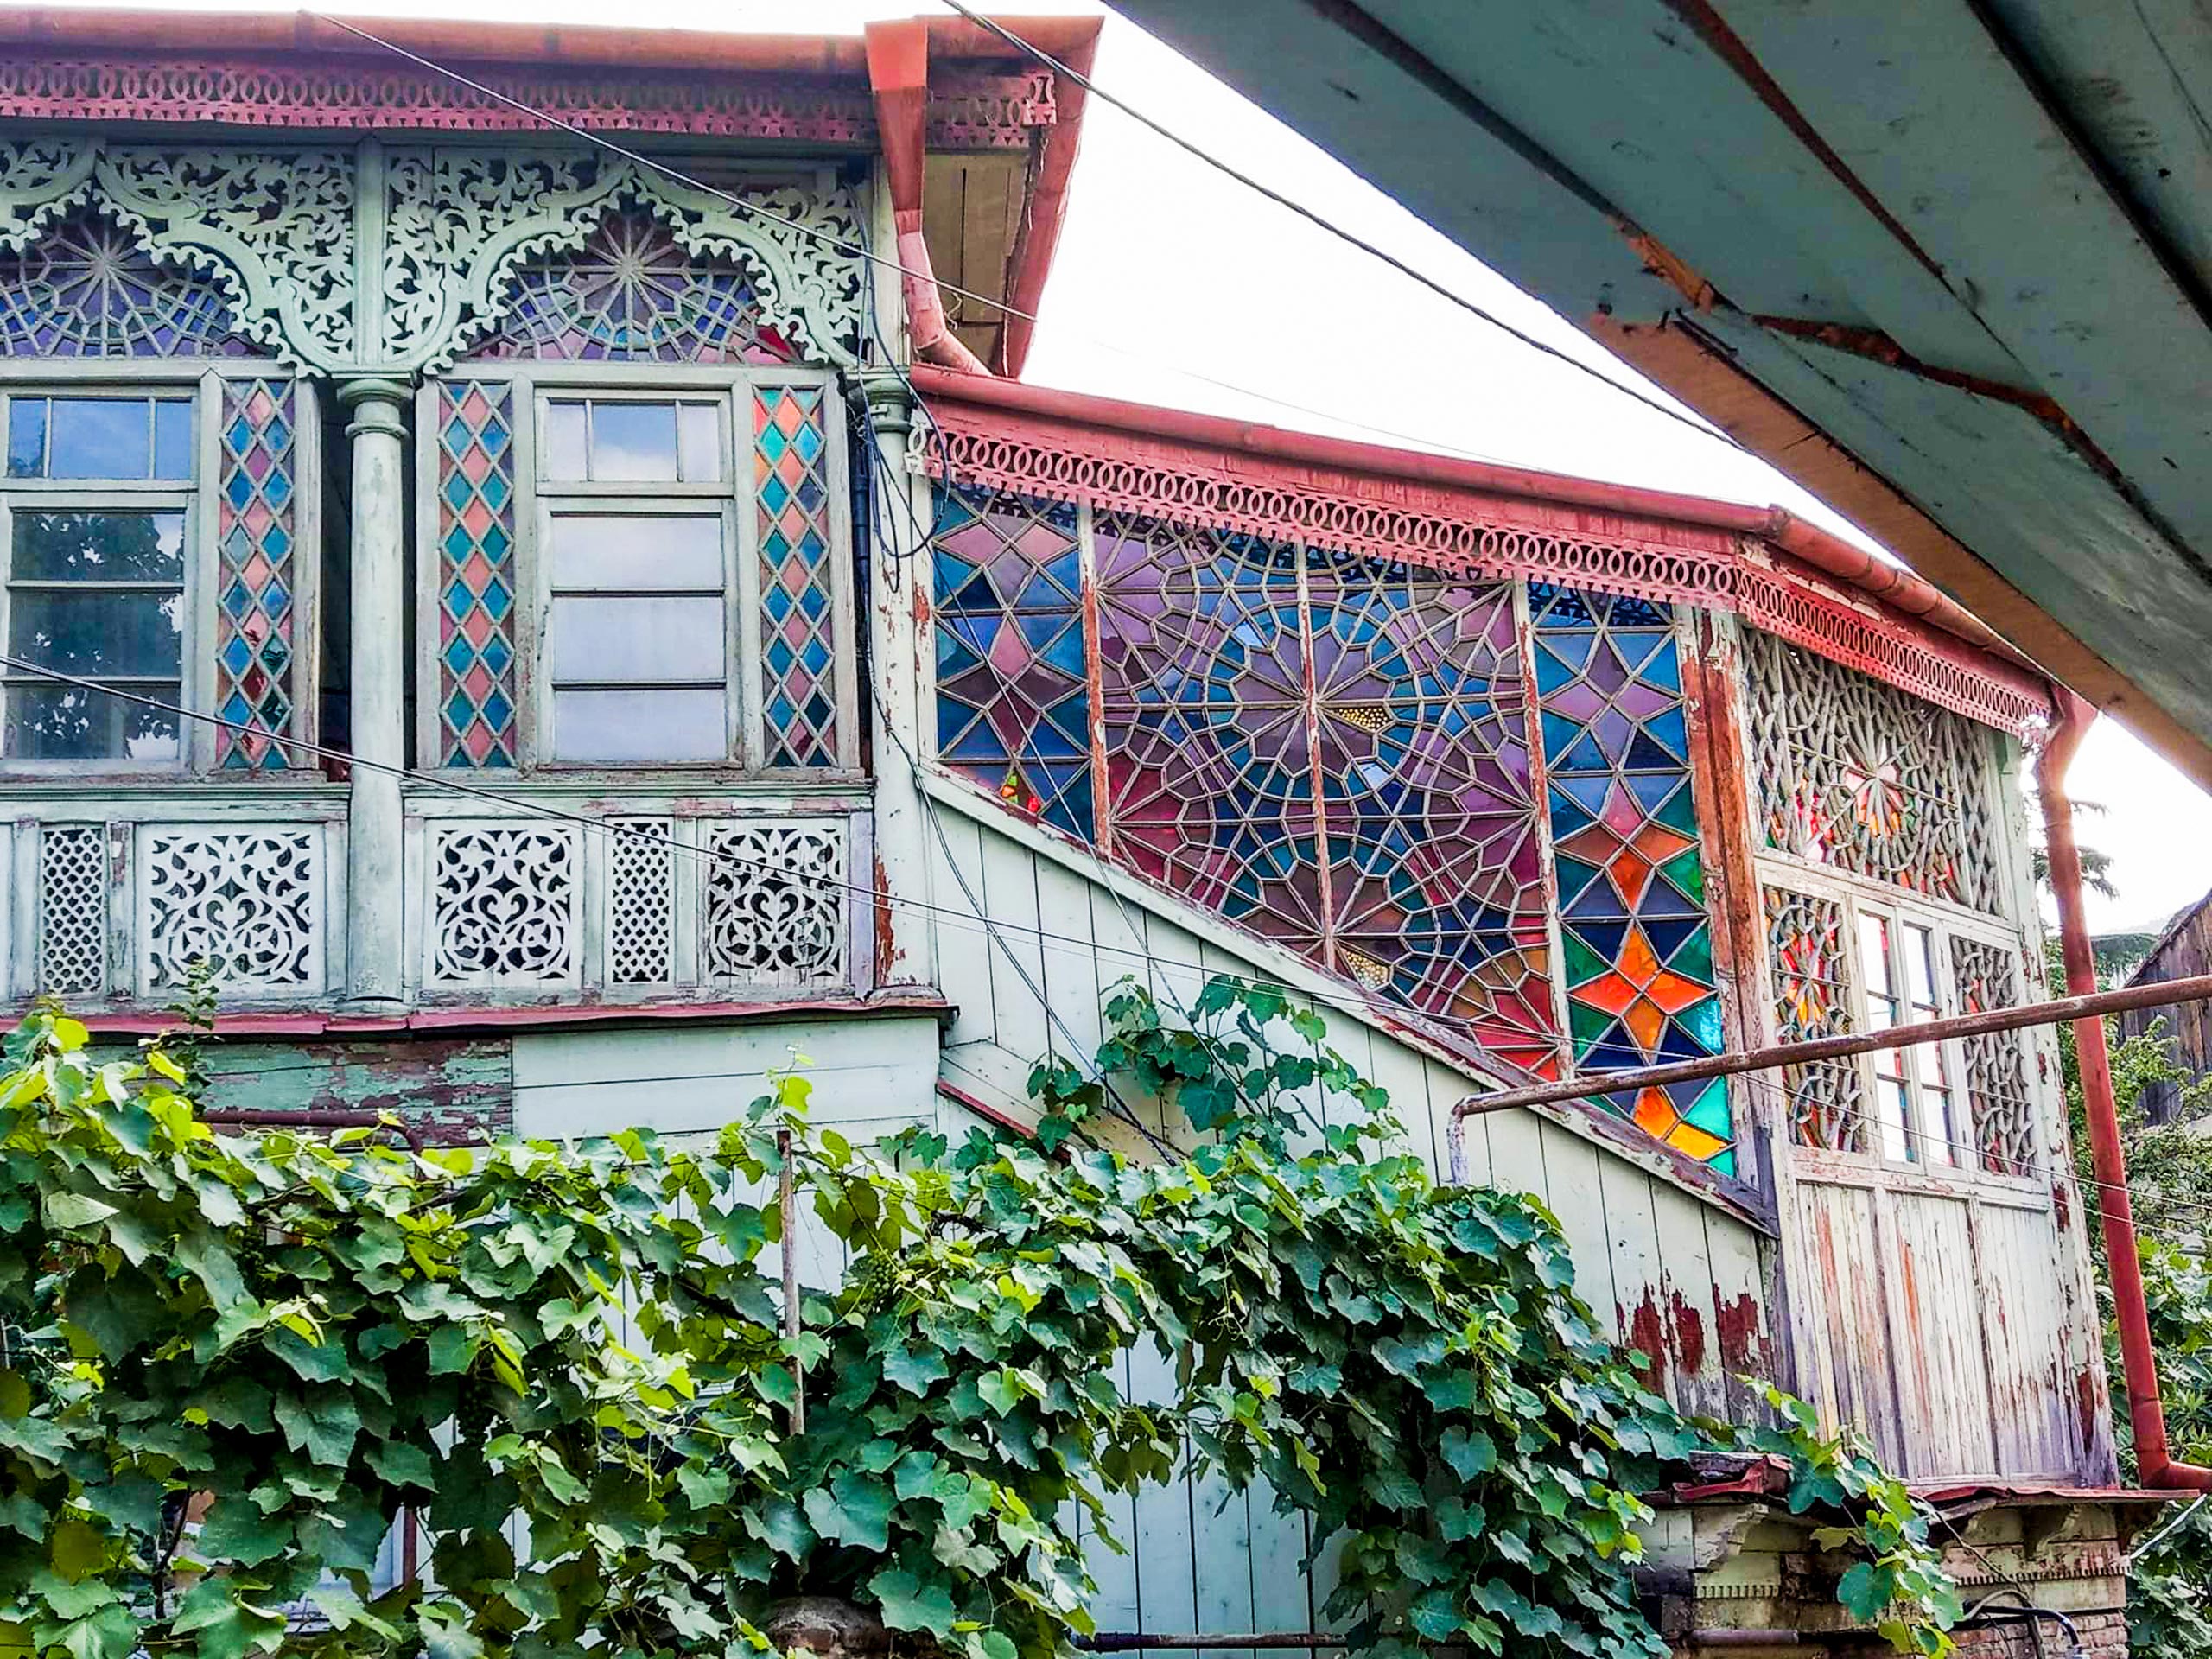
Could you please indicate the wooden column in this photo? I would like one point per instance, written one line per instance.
(374, 895)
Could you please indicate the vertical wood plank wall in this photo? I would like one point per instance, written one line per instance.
(1677, 1277)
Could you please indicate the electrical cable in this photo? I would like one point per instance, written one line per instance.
(842, 245)
(1703, 428)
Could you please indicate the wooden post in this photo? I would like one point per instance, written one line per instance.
(787, 1214)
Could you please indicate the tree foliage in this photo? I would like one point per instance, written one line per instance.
(230, 1362)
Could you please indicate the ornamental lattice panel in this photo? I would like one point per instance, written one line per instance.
(634, 294)
(1988, 977)
(249, 902)
(504, 906)
(775, 904)
(798, 646)
(476, 581)
(72, 913)
(1806, 954)
(640, 902)
(1636, 946)
(257, 595)
(85, 289)
(1855, 774)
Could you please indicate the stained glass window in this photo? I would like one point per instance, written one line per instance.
(1332, 753)
(258, 589)
(1011, 698)
(1859, 775)
(84, 289)
(1988, 977)
(1638, 962)
(798, 687)
(476, 583)
(634, 294)
(1807, 953)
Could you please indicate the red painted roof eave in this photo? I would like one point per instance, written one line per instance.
(1827, 552)
(299, 34)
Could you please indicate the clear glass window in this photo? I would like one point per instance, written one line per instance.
(97, 533)
(1914, 1101)
(610, 440)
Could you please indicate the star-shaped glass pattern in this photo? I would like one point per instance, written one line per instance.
(1637, 948)
(476, 585)
(85, 289)
(255, 597)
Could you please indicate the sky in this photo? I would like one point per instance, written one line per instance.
(1176, 285)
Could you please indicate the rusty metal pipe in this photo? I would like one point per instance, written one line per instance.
(2146, 1413)
(2197, 988)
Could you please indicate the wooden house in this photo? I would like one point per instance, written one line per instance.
(626, 632)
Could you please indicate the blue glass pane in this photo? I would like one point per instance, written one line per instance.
(27, 438)
(172, 438)
(100, 437)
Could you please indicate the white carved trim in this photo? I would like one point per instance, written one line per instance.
(505, 901)
(73, 909)
(252, 899)
(640, 902)
(775, 904)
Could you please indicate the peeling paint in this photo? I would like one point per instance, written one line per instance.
(888, 960)
(1742, 1336)
(1689, 1334)
(1647, 1333)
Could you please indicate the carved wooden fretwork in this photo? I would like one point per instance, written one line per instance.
(641, 902)
(1988, 977)
(276, 229)
(461, 222)
(775, 910)
(503, 905)
(1855, 774)
(73, 899)
(247, 901)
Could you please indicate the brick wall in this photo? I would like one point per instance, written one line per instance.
(2104, 1635)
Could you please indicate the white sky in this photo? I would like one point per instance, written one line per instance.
(1174, 285)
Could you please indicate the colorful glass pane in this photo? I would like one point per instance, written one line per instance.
(1637, 963)
(1988, 977)
(1806, 955)
(799, 655)
(1013, 708)
(476, 575)
(1858, 775)
(84, 289)
(634, 294)
(257, 592)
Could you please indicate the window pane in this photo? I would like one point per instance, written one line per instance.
(631, 441)
(563, 458)
(1938, 1139)
(65, 723)
(99, 547)
(611, 549)
(26, 437)
(1890, 1112)
(96, 633)
(1874, 954)
(173, 438)
(650, 725)
(637, 641)
(100, 437)
(1920, 965)
(699, 438)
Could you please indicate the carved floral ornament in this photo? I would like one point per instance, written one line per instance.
(278, 230)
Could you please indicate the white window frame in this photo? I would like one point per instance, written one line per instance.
(1946, 922)
(533, 385)
(204, 380)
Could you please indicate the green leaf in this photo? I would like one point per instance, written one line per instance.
(915, 1368)
(403, 1464)
(67, 1209)
(855, 1510)
(236, 1530)
(779, 1524)
(1862, 1592)
(905, 1603)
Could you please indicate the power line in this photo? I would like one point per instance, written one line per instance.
(1350, 237)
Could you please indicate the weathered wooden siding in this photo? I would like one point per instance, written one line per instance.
(1679, 1277)
(2183, 952)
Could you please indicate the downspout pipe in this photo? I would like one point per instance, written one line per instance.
(2146, 1413)
(899, 79)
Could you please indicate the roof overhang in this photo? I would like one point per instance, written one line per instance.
(1948, 264)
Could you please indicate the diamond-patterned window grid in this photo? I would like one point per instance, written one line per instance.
(798, 627)
(1637, 945)
(257, 595)
(1013, 702)
(476, 592)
